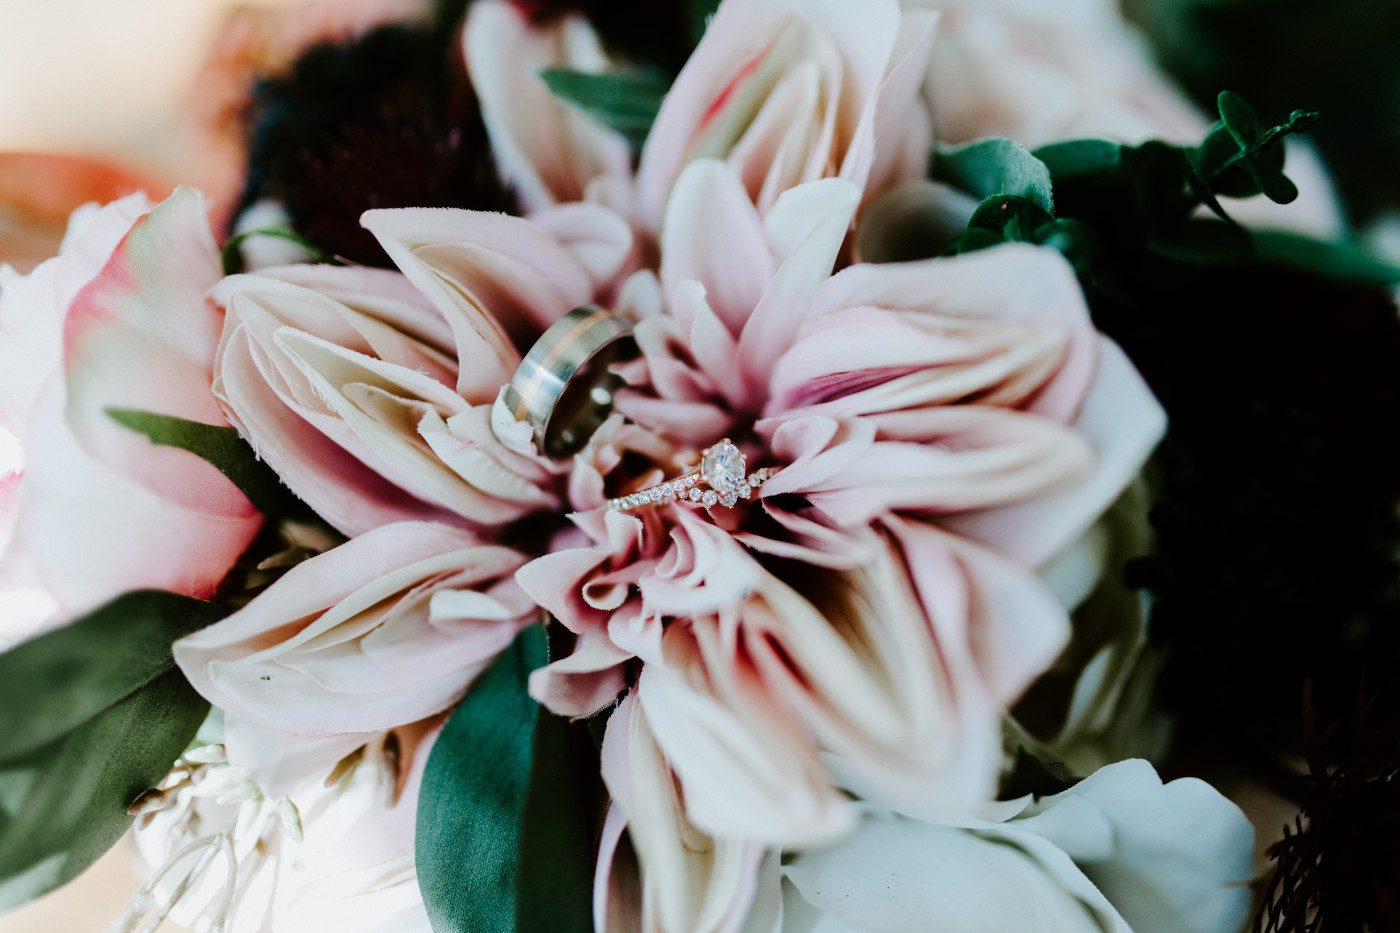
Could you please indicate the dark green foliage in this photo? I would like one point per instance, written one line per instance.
(94, 714)
(221, 446)
(504, 842)
(626, 101)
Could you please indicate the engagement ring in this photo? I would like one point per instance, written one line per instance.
(721, 479)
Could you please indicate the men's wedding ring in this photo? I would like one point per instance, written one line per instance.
(563, 388)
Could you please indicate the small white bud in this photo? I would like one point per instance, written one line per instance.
(218, 780)
(239, 793)
(291, 818)
(207, 755)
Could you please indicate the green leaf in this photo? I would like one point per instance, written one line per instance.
(1001, 218)
(1259, 152)
(232, 260)
(1239, 118)
(1077, 159)
(993, 166)
(219, 445)
(64, 804)
(1214, 159)
(1335, 260)
(52, 684)
(1204, 242)
(626, 101)
(503, 842)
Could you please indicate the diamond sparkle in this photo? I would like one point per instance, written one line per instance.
(723, 468)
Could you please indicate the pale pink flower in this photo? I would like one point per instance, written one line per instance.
(548, 151)
(854, 629)
(119, 319)
(790, 91)
(370, 392)
(385, 630)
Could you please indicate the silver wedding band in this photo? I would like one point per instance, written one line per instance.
(563, 388)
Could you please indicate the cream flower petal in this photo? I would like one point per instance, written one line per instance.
(1123, 422)
(691, 883)
(714, 236)
(1013, 283)
(359, 359)
(900, 120)
(806, 228)
(336, 484)
(894, 875)
(1179, 856)
(546, 150)
(788, 91)
(937, 461)
(495, 278)
(356, 640)
(586, 681)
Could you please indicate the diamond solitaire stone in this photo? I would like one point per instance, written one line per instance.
(723, 467)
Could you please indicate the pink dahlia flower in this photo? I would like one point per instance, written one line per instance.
(861, 623)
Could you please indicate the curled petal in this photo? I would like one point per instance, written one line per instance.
(690, 881)
(1123, 422)
(1014, 283)
(495, 278)
(547, 151)
(936, 461)
(383, 630)
(714, 236)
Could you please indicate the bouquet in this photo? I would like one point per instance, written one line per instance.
(690, 468)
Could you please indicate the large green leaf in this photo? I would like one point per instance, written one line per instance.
(64, 804)
(503, 839)
(52, 684)
(1344, 261)
(993, 166)
(221, 446)
(626, 101)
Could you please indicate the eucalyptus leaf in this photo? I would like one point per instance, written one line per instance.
(503, 842)
(1335, 260)
(1077, 159)
(626, 101)
(993, 166)
(52, 684)
(1204, 241)
(221, 446)
(1239, 118)
(1001, 218)
(64, 804)
(1211, 158)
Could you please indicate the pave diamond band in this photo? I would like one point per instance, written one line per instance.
(721, 479)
